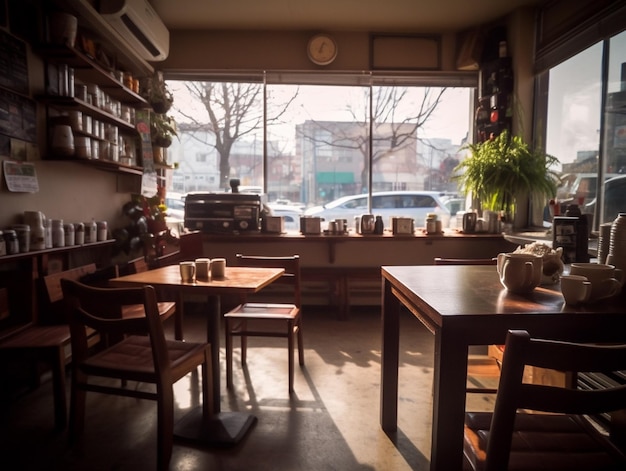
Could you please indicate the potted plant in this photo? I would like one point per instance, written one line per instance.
(504, 168)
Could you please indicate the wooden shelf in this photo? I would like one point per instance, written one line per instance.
(87, 70)
(70, 103)
(57, 250)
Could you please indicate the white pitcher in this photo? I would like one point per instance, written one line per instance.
(519, 272)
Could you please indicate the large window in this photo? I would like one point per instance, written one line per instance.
(590, 145)
(309, 144)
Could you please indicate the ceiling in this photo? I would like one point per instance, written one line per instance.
(425, 16)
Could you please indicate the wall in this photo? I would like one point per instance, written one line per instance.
(76, 192)
(67, 190)
(280, 50)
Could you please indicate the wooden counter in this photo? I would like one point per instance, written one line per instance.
(343, 270)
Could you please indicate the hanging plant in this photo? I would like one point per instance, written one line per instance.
(162, 130)
(156, 92)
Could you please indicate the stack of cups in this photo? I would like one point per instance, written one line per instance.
(617, 245)
(604, 239)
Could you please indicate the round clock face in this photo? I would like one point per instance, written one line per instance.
(322, 49)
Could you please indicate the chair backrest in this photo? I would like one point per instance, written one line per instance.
(51, 308)
(522, 350)
(464, 261)
(101, 276)
(99, 309)
(291, 265)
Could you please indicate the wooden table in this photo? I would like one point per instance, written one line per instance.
(463, 306)
(221, 428)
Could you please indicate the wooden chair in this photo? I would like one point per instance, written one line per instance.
(144, 355)
(166, 306)
(100, 278)
(49, 341)
(563, 439)
(247, 319)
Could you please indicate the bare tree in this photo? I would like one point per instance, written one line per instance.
(392, 129)
(234, 110)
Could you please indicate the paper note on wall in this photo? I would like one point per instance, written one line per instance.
(20, 176)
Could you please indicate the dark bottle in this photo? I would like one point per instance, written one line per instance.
(379, 226)
(582, 242)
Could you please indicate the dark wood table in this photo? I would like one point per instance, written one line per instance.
(220, 428)
(467, 305)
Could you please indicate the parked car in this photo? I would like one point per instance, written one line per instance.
(388, 204)
(614, 199)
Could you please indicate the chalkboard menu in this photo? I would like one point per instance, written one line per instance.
(13, 63)
(18, 113)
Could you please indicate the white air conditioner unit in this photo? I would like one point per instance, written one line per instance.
(139, 25)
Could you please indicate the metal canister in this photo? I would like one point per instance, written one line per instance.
(79, 233)
(12, 244)
(23, 236)
(102, 228)
(91, 232)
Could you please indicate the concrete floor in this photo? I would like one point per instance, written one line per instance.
(330, 423)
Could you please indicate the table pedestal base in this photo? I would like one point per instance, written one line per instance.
(222, 430)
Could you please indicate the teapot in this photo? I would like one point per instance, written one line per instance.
(519, 272)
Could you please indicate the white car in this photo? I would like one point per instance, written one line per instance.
(388, 204)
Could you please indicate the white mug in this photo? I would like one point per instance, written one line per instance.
(576, 289)
(519, 272)
(187, 271)
(203, 267)
(218, 267)
(606, 280)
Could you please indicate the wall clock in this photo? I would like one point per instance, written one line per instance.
(322, 49)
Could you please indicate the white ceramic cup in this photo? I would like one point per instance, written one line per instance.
(218, 267)
(576, 289)
(519, 272)
(606, 280)
(203, 267)
(187, 271)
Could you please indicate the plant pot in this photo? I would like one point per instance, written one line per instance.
(158, 154)
(161, 107)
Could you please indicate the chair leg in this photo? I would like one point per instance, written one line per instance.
(290, 352)
(300, 345)
(165, 427)
(77, 413)
(57, 364)
(178, 318)
(229, 354)
(244, 343)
